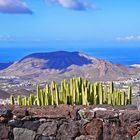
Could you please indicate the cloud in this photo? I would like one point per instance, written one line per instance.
(129, 38)
(6, 38)
(14, 7)
(74, 4)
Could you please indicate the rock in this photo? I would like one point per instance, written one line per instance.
(68, 131)
(131, 120)
(61, 111)
(114, 131)
(20, 112)
(87, 114)
(130, 116)
(23, 134)
(4, 131)
(107, 114)
(137, 137)
(40, 137)
(6, 113)
(31, 125)
(15, 123)
(48, 129)
(87, 137)
(125, 107)
(94, 128)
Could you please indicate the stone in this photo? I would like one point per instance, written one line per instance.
(31, 125)
(131, 120)
(52, 112)
(40, 137)
(86, 137)
(87, 114)
(126, 107)
(114, 131)
(68, 131)
(23, 134)
(4, 131)
(137, 137)
(107, 114)
(94, 128)
(20, 112)
(15, 123)
(48, 129)
(6, 113)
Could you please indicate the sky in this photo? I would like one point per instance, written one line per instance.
(25, 23)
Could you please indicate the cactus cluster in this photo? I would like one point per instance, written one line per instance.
(76, 91)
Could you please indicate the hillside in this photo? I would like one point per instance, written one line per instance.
(44, 67)
(4, 95)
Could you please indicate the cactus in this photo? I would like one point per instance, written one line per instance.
(129, 98)
(100, 94)
(38, 95)
(76, 91)
(19, 101)
(32, 99)
(42, 97)
(109, 101)
(105, 94)
(111, 87)
(123, 98)
(12, 102)
(96, 99)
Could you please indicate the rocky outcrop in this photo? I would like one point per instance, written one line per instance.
(69, 123)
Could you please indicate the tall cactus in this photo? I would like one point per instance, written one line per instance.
(32, 99)
(12, 101)
(111, 87)
(105, 94)
(123, 98)
(76, 91)
(129, 98)
(100, 94)
(19, 102)
(96, 99)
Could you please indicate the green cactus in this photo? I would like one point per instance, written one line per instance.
(12, 101)
(32, 99)
(96, 98)
(129, 98)
(111, 87)
(109, 99)
(123, 98)
(100, 94)
(76, 91)
(19, 101)
(105, 94)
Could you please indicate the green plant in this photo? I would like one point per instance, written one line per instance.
(12, 102)
(76, 91)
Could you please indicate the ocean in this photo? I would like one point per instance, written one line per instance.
(117, 55)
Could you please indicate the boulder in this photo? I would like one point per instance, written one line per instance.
(23, 134)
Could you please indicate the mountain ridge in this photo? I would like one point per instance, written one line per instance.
(62, 64)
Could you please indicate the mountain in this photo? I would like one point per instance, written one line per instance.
(4, 65)
(58, 65)
(4, 94)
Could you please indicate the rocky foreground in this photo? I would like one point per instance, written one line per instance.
(69, 123)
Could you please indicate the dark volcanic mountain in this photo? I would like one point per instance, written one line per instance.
(58, 60)
(58, 65)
